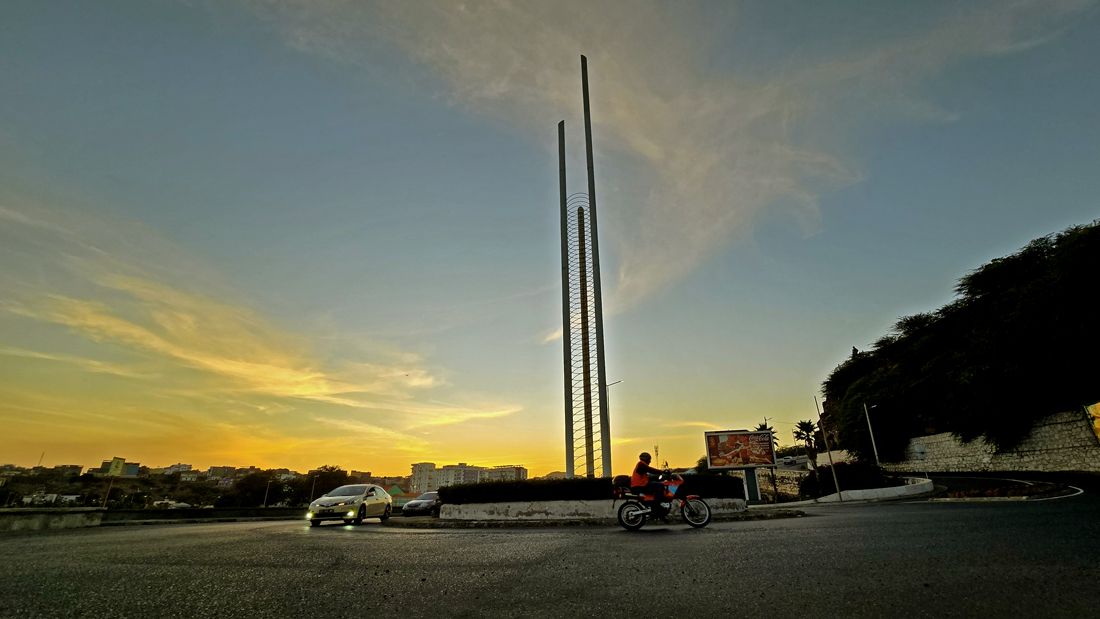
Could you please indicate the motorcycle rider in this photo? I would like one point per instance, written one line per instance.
(641, 483)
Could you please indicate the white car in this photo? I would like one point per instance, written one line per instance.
(351, 503)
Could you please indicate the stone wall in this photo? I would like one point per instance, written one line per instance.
(43, 519)
(1061, 442)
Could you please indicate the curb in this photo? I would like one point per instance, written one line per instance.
(124, 523)
(436, 523)
(980, 499)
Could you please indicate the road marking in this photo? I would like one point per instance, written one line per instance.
(1079, 491)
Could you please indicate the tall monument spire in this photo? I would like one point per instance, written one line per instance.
(582, 316)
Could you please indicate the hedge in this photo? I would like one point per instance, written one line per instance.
(578, 489)
(853, 476)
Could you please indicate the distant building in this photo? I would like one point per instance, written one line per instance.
(10, 470)
(117, 467)
(190, 476)
(427, 477)
(68, 470)
(177, 468)
(423, 478)
(461, 473)
(40, 498)
(221, 472)
(506, 472)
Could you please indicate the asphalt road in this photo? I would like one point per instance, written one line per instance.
(911, 559)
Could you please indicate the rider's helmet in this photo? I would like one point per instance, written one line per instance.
(645, 457)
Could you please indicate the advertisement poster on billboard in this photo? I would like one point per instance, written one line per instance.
(1094, 417)
(738, 449)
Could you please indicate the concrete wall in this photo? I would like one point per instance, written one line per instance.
(41, 519)
(550, 511)
(914, 486)
(199, 513)
(1061, 442)
(55, 518)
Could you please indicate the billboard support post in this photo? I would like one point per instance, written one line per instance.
(752, 486)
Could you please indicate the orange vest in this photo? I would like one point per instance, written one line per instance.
(638, 479)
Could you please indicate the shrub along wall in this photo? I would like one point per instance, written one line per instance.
(579, 489)
(853, 476)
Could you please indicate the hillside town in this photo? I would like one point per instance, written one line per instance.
(121, 483)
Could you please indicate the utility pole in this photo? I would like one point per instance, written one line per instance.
(775, 466)
(268, 489)
(829, 451)
(867, 414)
(110, 484)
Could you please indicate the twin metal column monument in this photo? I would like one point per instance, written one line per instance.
(582, 318)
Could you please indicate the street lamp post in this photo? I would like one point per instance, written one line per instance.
(609, 394)
(829, 452)
(867, 414)
(607, 398)
(266, 491)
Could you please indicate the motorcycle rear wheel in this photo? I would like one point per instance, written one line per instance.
(696, 512)
(631, 517)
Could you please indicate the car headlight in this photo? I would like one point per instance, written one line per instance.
(309, 515)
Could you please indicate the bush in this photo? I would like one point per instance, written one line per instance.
(579, 489)
(852, 475)
(713, 486)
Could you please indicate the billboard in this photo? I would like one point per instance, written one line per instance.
(737, 449)
(117, 467)
(1094, 416)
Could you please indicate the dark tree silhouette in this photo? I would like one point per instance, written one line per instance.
(1013, 347)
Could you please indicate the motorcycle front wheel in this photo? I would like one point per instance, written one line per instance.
(696, 512)
(632, 516)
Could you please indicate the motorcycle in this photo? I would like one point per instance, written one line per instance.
(634, 512)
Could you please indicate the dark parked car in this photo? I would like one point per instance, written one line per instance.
(427, 503)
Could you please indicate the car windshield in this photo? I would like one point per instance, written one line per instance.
(348, 491)
(427, 496)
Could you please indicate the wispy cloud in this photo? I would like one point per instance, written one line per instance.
(365, 431)
(706, 425)
(154, 312)
(83, 363)
(699, 153)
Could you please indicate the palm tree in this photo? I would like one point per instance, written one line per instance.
(764, 427)
(804, 431)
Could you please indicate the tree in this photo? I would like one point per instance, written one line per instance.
(804, 431)
(1008, 351)
(702, 466)
(764, 427)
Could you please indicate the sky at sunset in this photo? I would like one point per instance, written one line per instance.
(289, 234)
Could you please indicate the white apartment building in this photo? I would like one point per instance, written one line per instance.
(427, 477)
(504, 472)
